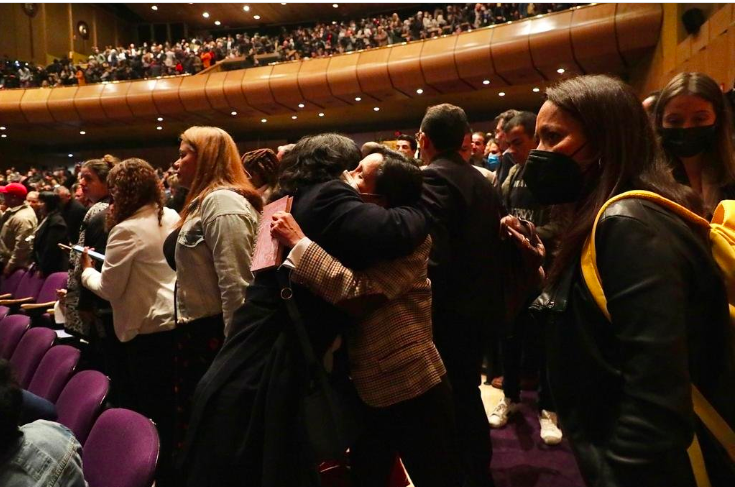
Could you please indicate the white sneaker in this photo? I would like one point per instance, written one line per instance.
(499, 417)
(550, 432)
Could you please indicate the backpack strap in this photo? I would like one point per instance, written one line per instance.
(589, 252)
(703, 409)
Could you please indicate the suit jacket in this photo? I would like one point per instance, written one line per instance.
(46, 252)
(73, 214)
(392, 354)
(465, 213)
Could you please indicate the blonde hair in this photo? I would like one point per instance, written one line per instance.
(218, 166)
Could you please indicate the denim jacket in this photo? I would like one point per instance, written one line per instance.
(47, 455)
(213, 254)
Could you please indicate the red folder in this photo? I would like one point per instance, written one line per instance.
(268, 252)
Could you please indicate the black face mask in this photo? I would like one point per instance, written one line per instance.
(688, 142)
(553, 178)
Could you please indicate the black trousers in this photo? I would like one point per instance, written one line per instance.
(460, 344)
(525, 340)
(420, 430)
(150, 389)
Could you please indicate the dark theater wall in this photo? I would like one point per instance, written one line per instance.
(52, 31)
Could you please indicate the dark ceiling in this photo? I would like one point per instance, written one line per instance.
(233, 15)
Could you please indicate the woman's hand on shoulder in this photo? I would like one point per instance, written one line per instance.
(285, 229)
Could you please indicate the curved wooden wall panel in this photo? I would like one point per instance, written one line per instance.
(215, 90)
(343, 80)
(88, 104)
(114, 101)
(256, 86)
(283, 83)
(313, 83)
(232, 89)
(166, 97)
(372, 73)
(637, 27)
(551, 45)
(474, 59)
(404, 69)
(439, 67)
(192, 94)
(140, 99)
(593, 39)
(61, 104)
(596, 38)
(35, 106)
(512, 55)
(10, 107)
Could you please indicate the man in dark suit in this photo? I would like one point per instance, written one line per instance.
(465, 216)
(72, 211)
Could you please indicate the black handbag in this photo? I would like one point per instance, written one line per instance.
(332, 410)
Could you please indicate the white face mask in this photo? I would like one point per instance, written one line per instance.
(347, 178)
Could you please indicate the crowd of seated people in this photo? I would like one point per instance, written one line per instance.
(416, 283)
(150, 60)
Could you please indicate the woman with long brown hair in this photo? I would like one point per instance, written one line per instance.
(623, 386)
(694, 123)
(139, 285)
(211, 252)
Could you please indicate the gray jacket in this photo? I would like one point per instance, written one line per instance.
(213, 254)
(47, 455)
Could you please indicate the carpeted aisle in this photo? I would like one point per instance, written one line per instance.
(520, 458)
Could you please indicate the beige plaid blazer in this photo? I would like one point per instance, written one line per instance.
(392, 354)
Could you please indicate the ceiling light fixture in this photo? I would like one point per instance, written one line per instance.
(70, 155)
(334, 5)
(159, 128)
(377, 109)
(217, 22)
(205, 15)
(160, 119)
(263, 120)
(256, 17)
(301, 105)
(321, 114)
(294, 117)
(4, 136)
(153, 7)
(233, 113)
(246, 8)
(2, 128)
(502, 93)
(419, 91)
(536, 90)
(486, 82)
(561, 70)
(82, 132)
(357, 98)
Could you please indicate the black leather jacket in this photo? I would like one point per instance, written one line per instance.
(622, 389)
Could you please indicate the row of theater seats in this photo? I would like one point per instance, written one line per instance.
(120, 446)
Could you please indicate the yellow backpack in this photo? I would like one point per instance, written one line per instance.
(721, 232)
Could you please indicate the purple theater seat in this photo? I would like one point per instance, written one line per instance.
(121, 451)
(81, 401)
(29, 352)
(46, 297)
(12, 329)
(28, 287)
(10, 284)
(54, 371)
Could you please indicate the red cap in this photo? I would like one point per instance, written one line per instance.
(15, 189)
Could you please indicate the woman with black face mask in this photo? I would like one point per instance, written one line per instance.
(694, 123)
(622, 385)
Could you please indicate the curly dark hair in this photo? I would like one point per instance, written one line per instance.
(133, 183)
(262, 166)
(316, 159)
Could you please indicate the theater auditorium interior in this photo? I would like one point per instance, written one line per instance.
(367, 244)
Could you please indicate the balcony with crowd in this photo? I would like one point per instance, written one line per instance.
(186, 57)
